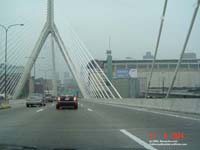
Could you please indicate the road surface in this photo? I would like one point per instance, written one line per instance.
(97, 126)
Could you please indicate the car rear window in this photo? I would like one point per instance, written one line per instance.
(64, 98)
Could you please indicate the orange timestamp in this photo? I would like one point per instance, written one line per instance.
(175, 135)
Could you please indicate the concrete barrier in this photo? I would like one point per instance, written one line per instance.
(171, 104)
(17, 101)
(11, 103)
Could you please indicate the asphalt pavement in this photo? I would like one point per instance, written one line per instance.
(97, 126)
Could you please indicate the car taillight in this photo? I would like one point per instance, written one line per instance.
(75, 98)
(58, 98)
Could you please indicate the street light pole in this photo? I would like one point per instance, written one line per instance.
(45, 78)
(6, 48)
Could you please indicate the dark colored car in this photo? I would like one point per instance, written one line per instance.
(67, 101)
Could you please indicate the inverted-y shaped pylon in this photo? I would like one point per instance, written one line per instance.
(49, 28)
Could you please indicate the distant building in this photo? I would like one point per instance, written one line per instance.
(187, 77)
(57, 76)
(67, 75)
(67, 79)
(189, 56)
(148, 55)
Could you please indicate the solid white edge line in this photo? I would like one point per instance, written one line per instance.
(138, 140)
(155, 112)
(40, 110)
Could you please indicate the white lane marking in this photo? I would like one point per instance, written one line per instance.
(81, 105)
(39, 110)
(52, 104)
(172, 115)
(89, 109)
(155, 112)
(138, 140)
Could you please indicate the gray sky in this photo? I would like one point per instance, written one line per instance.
(132, 24)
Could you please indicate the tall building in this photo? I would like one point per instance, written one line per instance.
(148, 55)
(109, 65)
(189, 56)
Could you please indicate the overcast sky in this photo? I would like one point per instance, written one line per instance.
(132, 24)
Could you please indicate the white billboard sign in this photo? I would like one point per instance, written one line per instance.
(133, 73)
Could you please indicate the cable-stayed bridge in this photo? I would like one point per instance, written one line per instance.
(104, 120)
(89, 76)
(91, 80)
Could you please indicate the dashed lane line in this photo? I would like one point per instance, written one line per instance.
(40, 110)
(89, 109)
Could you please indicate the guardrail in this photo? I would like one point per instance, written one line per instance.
(177, 93)
(170, 104)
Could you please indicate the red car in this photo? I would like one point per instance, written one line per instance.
(67, 101)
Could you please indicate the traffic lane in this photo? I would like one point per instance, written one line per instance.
(142, 124)
(13, 112)
(67, 128)
(17, 106)
(14, 117)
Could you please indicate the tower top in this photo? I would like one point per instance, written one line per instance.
(50, 12)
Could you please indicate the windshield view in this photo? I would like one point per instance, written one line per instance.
(99, 74)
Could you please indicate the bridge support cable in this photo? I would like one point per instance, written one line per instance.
(13, 70)
(13, 86)
(74, 51)
(184, 48)
(156, 50)
(91, 85)
(11, 83)
(36, 50)
(84, 72)
(98, 67)
(16, 52)
(12, 74)
(89, 77)
(86, 64)
(100, 70)
(68, 61)
(12, 42)
(12, 46)
(91, 70)
(48, 28)
(18, 71)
